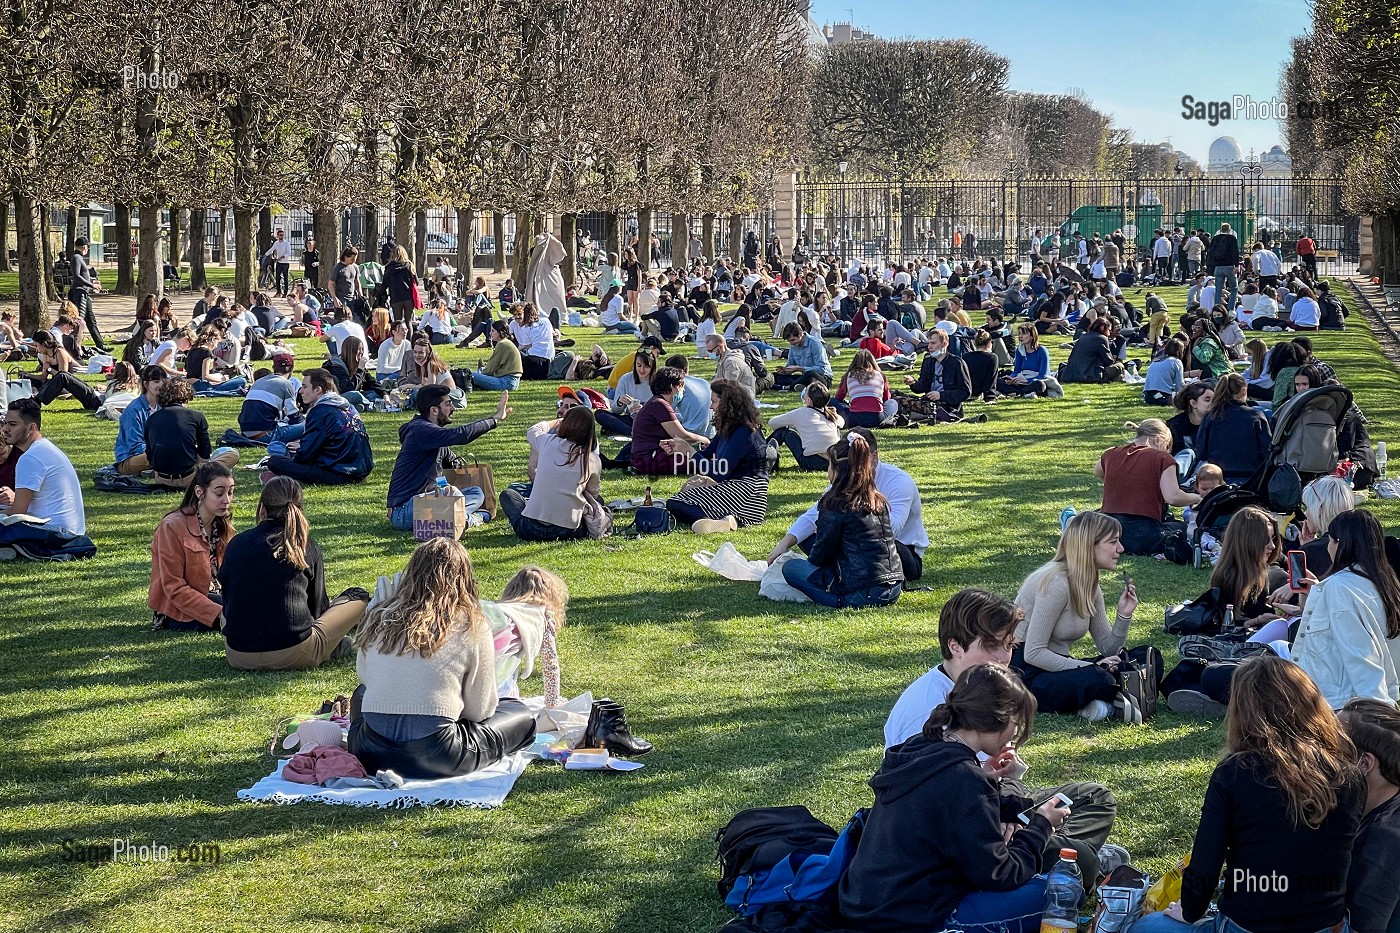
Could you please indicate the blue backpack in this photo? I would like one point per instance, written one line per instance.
(783, 856)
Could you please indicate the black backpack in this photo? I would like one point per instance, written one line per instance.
(760, 837)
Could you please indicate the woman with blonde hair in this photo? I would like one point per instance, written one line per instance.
(864, 396)
(1139, 483)
(1063, 602)
(525, 622)
(1323, 500)
(1282, 810)
(1256, 375)
(427, 705)
(379, 330)
(276, 614)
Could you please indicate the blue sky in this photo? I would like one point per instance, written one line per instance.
(1152, 54)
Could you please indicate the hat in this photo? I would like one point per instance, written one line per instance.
(566, 392)
(283, 362)
(653, 342)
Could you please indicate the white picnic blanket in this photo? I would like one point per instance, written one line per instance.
(485, 790)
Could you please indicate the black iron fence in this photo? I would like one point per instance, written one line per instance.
(894, 219)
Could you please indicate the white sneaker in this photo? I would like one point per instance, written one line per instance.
(711, 526)
(1096, 711)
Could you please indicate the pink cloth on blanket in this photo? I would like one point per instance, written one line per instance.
(321, 764)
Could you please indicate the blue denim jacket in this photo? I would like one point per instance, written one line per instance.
(131, 430)
(810, 354)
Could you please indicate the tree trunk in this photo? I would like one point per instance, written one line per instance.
(150, 281)
(33, 309)
(126, 285)
(525, 225)
(46, 239)
(325, 225)
(498, 234)
(403, 230)
(5, 265)
(420, 242)
(610, 236)
(735, 246)
(644, 221)
(466, 241)
(619, 232)
(70, 232)
(371, 234)
(223, 236)
(680, 241)
(245, 244)
(568, 235)
(198, 280)
(174, 250)
(707, 236)
(264, 242)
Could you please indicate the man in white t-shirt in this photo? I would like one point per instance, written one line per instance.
(343, 327)
(977, 627)
(46, 485)
(1267, 264)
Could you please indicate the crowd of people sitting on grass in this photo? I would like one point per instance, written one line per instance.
(433, 700)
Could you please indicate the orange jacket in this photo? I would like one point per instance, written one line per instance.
(180, 575)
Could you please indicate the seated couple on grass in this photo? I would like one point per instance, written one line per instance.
(1303, 812)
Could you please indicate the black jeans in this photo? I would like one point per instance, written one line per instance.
(82, 300)
(1092, 811)
(58, 383)
(284, 274)
(1143, 535)
(312, 473)
(1065, 691)
(458, 748)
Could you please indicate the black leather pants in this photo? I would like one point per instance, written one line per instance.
(455, 749)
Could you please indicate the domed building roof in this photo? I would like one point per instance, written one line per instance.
(1224, 151)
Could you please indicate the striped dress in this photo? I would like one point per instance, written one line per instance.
(739, 465)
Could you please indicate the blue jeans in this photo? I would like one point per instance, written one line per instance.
(402, 516)
(231, 387)
(1161, 923)
(278, 440)
(513, 500)
(1225, 275)
(798, 573)
(623, 327)
(495, 383)
(1014, 911)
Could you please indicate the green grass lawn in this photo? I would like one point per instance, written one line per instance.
(120, 732)
(222, 276)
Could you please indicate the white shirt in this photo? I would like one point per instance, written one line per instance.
(787, 314)
(1208, 296)
(612, 314)
(912, 708)
(948, 327)
(901, 279)
(906, 511)
(1304, 313)
(236, 327)
(343, 329)
(648, 299)
(391, 357)
(434, 323)
(1266, 262)
(280, 250)
(44, 470)
(925, 275)
(1162, 249)
(165, 347)
(537, 339)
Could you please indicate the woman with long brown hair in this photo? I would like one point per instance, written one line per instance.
(728, 485)
(853, 561)
(353, 380)
(276, 614)
(1232, 435)
(1282, 810)
(187, 551)
(427, 704)
(564, 469)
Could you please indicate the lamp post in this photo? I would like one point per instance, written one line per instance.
(843, 225)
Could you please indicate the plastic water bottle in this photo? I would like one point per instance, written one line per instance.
(442, 486)
(1064, 892)
(1190, 519)
(1067, 513)
(1381, 458)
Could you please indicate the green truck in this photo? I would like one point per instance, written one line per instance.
(1103, 219)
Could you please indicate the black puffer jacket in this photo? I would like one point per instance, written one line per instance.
(398, 279)
(854, 551)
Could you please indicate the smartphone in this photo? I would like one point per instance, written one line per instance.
(1297, 570)
(1025, 815)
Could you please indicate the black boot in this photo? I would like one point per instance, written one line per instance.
(607, 727)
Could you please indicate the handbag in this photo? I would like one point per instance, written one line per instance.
(1201, 616)
(477, 474)
(652, 520)
(1140, 678)
(597, 517)
(417, 295)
